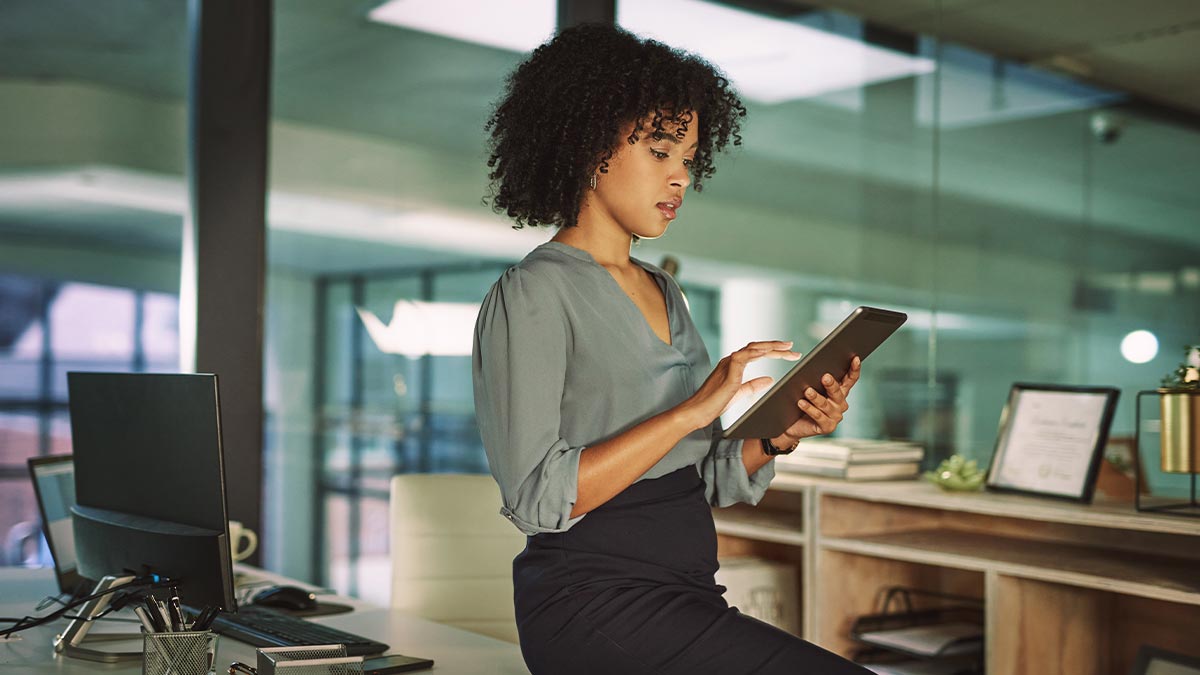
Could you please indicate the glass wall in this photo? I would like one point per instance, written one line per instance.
(947, 178)
(1026, 201)
(91, 197)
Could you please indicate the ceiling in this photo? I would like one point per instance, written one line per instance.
(334, 69)
(1150, 48)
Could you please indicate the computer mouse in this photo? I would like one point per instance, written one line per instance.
(285, 597)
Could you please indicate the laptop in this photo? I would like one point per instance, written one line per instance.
(54, 485)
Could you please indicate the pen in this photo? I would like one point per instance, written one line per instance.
(161, 611)
(175, 611)
(144, 617)
(206, 618)
(156, 622)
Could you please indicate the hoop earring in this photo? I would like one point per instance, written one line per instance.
(592, 182)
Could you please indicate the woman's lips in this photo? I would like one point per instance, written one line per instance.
(666, 210)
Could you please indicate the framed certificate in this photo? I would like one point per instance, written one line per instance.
(1051, 440)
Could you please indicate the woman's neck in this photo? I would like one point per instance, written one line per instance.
(607, 249)
(606, 241)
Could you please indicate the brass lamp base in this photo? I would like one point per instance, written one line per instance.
(1179, 446)
(1180, 440)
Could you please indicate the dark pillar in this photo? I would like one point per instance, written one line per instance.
(575, 12)
(224, 236)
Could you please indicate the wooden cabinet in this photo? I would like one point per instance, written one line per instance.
(1067, 588)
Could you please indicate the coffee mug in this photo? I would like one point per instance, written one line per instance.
(237, 534)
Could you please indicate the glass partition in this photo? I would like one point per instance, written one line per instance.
(1021, 199)
(1026, 219)
(91, 201)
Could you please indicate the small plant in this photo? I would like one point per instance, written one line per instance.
(1187, 375)
(957, 474)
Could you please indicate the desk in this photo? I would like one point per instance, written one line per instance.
(453, 650)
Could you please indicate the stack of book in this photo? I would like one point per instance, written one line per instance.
(854, 459)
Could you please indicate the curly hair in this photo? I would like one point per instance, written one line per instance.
(562, 109)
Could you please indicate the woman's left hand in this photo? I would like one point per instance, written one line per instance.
(822, 414)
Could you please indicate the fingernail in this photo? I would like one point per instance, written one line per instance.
(827, 379)
(810, 392)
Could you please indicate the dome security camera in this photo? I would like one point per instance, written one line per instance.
(1106, 127)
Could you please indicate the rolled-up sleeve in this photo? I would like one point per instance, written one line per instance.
(519, 361)
(725, 479)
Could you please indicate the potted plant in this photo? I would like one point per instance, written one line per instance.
(1180, 403)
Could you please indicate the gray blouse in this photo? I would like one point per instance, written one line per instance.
(563, 359)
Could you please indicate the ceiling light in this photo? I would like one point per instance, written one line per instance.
(769, 60)
(1140, 346)
(423, 328)
(515, 25)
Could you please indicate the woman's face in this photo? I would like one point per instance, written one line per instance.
(646, 181)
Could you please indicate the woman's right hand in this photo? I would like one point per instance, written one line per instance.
(724, 385)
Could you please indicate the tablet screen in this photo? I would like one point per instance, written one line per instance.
(859, 334)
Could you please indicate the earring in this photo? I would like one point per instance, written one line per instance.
(592, 182)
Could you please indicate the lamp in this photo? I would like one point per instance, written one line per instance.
(1178, 428)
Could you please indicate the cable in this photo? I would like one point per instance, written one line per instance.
(247, 591)
(50, 600)
(27, 622)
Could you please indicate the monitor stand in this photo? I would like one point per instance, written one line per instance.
(68, 641)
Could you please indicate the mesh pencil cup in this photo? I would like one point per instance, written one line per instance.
(179, 653)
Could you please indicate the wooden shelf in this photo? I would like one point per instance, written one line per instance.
(1068, 587)
(760, 525)
(1119, 515)
(1149, 576)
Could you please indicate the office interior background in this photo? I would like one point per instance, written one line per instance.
(1020, 177)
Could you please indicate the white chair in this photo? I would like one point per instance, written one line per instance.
(452, 552)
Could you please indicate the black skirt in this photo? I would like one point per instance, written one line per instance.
(630, 589)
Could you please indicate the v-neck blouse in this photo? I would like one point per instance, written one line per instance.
(564, 359)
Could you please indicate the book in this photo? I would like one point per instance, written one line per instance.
(851, 471)
(847, 445)
(933, 640)
(860, 451)
(858, 457)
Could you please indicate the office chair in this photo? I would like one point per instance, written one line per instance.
(452, 552)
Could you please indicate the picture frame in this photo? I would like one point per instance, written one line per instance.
(1156, 661)
(1051, 440)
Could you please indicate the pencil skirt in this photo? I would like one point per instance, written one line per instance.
(630, 588)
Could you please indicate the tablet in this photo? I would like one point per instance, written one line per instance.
(858, 335)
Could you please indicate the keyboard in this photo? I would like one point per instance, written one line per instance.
(262, 627)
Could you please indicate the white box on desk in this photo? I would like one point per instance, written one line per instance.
(766, 590)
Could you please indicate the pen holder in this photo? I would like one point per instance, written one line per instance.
(308, 660)
(180, 653)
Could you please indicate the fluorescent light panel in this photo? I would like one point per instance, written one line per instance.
(769, 60)
(423, 328)
(515, 25)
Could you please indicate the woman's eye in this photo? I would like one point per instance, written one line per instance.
(658, 155)
(688, 162)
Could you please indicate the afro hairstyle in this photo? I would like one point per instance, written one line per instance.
(558, 119)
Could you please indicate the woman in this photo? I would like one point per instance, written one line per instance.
(599, 422)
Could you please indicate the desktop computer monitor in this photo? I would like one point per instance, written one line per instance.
(150, 483)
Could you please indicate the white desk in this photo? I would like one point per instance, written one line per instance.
(452, 650)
